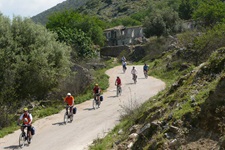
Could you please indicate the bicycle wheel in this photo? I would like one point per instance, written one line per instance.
(146, 75)
(98, 103)
(135, 80)
(21, 140)
(94, 104)
(120, 90)
(117, 91)
(65, 118)
(71, 117)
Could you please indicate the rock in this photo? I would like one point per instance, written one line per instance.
(120, 132)
(174, 129)
(192, 98)
(144, 128)
(134, 129)
(130, 145)
(166, 135)
(173, 143)
(117, 142)
(155, 124)
(133, 136)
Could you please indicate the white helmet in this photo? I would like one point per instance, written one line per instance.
(69, 94)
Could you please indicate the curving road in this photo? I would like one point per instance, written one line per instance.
(89, 124)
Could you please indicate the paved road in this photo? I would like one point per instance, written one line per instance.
(89, 124)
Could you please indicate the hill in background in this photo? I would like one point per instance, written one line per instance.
(104, 9)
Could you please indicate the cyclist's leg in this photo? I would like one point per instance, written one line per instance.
(71, 109)
(120, 88)
(95, 96)
(67, 107)
(71, 113)
(29, 134)
(98, 99)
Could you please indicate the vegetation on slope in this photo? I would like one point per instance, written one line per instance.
(189, 114)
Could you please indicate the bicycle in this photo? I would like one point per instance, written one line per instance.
(23, 137)
(118, 90)
(68, 114)
(146, 74)
(135, 78)
(124, 69)
(96, 102)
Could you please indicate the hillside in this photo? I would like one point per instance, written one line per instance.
(66, 5)
(104, 9)
(189, 114)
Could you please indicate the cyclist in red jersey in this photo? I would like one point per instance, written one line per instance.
(118, 84)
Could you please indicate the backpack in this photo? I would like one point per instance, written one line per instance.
(32, 130)
(101, 98)
(74, 110)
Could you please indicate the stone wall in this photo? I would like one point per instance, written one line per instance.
(114, 51)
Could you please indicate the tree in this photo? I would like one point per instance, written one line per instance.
(186, 9)
(210, 12)
(32, 62)
(161, 22)
(81, 32)
(126, 21)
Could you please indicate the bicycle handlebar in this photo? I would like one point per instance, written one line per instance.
(24, 125)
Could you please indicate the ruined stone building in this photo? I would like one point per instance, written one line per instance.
(121, 35)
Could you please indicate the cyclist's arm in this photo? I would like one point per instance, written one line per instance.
(31, 118)
(73, 102)
(20, 118)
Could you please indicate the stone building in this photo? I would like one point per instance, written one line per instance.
(121, 35)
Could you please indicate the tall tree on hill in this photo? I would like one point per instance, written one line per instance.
(161, 21)
(72, 25)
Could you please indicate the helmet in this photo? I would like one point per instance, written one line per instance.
(96, 84)
(25, 109)
(69, 94)
(117, 76)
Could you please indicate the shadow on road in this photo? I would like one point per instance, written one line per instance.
(12, 147)
(112, 96)
(130, 83)
(59, 123)
(142, 78)
(89, 109)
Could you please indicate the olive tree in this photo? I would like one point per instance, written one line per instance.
(32, 62)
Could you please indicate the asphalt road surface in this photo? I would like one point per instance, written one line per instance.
(89, 124)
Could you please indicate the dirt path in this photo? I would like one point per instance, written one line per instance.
(88, 124)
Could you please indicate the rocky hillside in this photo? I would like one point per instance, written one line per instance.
(189, 114)
(104, 9)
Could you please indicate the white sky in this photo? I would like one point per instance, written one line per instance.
(26, 8)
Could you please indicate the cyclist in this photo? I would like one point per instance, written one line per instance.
(123, 59)
(96, 93)
(26, 118)
(118, 83)
(69, 99)
(145, 69)
(134, 73)
(124, 64)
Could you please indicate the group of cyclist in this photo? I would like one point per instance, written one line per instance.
(134, 71)
(26, 118)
